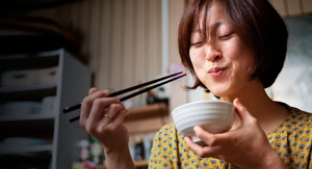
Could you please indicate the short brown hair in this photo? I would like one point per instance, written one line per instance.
(256, 22)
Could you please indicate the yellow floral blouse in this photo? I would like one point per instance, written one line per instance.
(292, 140)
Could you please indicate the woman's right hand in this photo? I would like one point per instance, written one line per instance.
(102, 117)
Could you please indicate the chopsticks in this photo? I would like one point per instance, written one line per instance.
(174, 76)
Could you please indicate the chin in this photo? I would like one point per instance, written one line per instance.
(218, 94)
(220, 91)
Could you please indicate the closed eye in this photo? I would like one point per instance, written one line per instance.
(226, 35)
(196, 43)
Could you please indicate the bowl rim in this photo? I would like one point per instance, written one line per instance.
(201, 101)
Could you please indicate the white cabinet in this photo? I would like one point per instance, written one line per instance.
(42, 137)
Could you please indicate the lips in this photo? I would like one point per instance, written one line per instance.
(217, 71)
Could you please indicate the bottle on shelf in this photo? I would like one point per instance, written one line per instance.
(84, 150)
(96, 151)
(139, 152)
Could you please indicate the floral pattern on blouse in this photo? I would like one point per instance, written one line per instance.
(292, 140)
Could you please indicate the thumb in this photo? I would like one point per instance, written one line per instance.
(241, 110)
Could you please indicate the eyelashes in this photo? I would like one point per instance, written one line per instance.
(226, 35)
(198, 40)
(196, 43)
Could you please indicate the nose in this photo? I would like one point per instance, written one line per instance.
(212, 53)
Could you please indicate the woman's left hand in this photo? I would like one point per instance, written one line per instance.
(245, 145)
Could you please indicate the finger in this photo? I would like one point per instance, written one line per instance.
(243, 114)
(112, 115)
(202, 151)
(206, 137)
(99, 109)
(119, 119)
(92, 90)
(87, 104)
(113, 110)
(241, 110)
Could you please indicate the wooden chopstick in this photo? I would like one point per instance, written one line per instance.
(68, 109)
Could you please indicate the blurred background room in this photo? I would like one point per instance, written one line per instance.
(53, 51)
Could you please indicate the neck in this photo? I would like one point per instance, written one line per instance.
(268, 113)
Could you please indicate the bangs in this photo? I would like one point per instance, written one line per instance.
(202, 7)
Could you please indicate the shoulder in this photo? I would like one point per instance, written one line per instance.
(300, 116)
(298, 124)
(292, 139)
(299, 121)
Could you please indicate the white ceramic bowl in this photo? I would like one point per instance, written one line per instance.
(214, 116)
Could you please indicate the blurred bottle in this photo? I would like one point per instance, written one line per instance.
(147, 147)
(139, 152)
(151, 97)
(96, 151)
(84, 150)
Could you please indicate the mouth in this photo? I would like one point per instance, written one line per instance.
(217, 71)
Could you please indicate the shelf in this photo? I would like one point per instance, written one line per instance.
(29, 61)
(41, 128)
(42, 116)
(56, 145)
(147, 111)
(138, 164)
(26, 88)
(27, 92)
(143, 163)
(28, 149)
(152, 117)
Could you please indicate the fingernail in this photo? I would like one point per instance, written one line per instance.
(105, 93)
(196, 128)
(186, 139)
(237, 101)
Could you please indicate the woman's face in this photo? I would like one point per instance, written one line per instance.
(222, 61)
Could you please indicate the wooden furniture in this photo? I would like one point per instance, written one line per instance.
(59, 148)
(149, 118)
(146, 119)
(138, 165)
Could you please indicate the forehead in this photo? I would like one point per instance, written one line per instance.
(210, 15)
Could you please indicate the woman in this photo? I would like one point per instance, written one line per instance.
(235, 49)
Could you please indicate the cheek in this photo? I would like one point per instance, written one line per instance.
(241, 55)
(248, 62)
(234, 50)
(195, 58)
(251, 68)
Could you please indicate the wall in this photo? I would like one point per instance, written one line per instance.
(288, 8)
(293, 85)
(123, 40)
